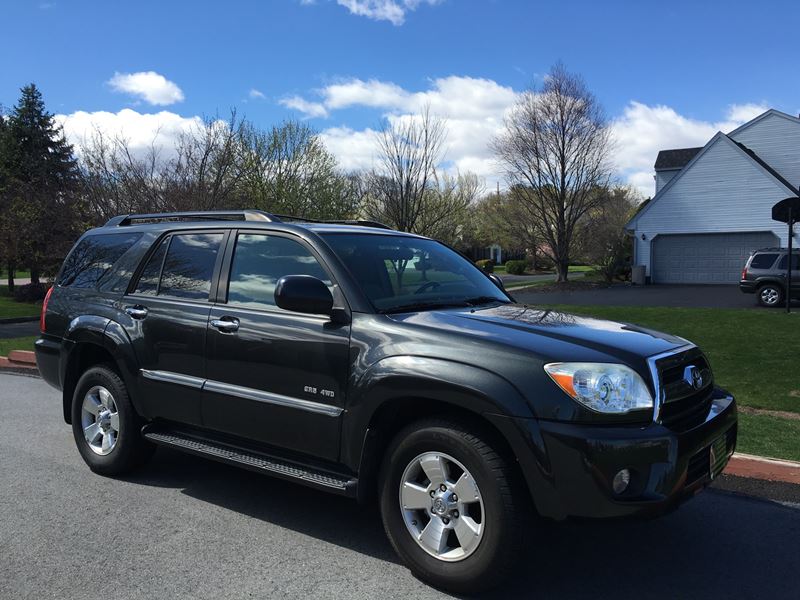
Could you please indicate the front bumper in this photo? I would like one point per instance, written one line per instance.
(570, 467)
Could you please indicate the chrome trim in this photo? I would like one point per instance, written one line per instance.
(176, 378)
(651, 363)
(270, 398)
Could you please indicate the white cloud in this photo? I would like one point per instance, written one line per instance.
(642, 130)
(256, 94)
(473, 109)
(143, 131)
(393, 11)
(149, 86)
(309, 109)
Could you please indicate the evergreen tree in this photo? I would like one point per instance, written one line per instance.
(41, 182)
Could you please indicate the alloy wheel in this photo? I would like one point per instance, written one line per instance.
(442, 506)
(769, 295)
(100, 420)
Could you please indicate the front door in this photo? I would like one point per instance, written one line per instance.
(795, 272)
(167, 313)
(273, 375)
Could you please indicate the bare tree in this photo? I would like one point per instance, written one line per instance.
(446, 206)
(502, 218)
(555, 148)
(409, 150)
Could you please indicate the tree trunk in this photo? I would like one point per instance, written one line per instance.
(11, 268)
(34, 275)
(562, 269)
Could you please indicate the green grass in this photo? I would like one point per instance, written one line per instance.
(765, 435)
(580, 268)
(754, 353)
(21, 343)
(10, 308)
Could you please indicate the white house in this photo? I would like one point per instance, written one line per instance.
(713, 204)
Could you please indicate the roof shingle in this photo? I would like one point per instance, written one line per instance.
(675, 159)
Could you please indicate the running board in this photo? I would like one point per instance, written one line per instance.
(254, 461)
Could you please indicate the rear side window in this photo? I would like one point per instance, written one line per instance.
(93, 257)
(181, 266)
(795, 262)
(763, 261)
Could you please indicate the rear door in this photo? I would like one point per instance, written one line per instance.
(273, 375)
(795, 272)
(167, 315)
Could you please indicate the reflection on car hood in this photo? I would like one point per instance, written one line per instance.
(530, 327)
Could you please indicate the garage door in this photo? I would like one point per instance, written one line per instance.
(705, 258)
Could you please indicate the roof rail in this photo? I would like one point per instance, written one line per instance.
(775, 249)
(210, 215)
(359, 222)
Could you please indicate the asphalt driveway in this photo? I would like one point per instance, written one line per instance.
(688, 296)
(184, 527)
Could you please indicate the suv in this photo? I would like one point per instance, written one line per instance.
(764, 274)
(377, 365)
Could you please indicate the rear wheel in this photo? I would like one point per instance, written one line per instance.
(106, 428)
(448, 507)
(770, 295)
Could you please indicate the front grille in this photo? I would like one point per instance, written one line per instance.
(682, 405)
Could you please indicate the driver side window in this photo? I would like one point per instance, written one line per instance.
(259, 261)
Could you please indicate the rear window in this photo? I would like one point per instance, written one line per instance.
(93, 258)
(763, 261)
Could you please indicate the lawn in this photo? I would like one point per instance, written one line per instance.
(20, 343)
(754, 355)
(10, 308)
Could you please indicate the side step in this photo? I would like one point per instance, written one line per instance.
(254, 461)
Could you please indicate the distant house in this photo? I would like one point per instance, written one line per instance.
(712, 205)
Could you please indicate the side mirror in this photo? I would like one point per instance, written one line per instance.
(303, 294)
(497, 281)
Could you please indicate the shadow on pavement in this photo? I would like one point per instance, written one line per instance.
(718, 545)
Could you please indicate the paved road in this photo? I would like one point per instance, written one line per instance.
(188, 528)
(690, 296)
(15, 330)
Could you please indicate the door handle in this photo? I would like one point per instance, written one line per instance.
(226, 325)
(137, 312)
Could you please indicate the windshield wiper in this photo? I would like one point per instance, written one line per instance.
(479, 300)
(424, 306)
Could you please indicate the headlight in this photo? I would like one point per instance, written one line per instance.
(602, 387)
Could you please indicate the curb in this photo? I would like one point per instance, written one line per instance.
(13, 320)
(19, 361)
(759, 467)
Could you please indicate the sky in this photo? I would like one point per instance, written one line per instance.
(668, 74)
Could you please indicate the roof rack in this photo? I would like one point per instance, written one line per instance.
(358, 222)
(775, 249)
(224, 215)
(210, 215)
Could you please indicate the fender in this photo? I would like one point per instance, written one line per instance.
(397, 379)
(119, 344)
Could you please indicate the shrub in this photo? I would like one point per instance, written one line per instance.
(31, 292)
(516, 267)
(486, 264)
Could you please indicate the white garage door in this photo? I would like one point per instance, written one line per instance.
(705, 258)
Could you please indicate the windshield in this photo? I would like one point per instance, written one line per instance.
(401, 273)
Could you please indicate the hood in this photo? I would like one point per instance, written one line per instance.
(551, 334)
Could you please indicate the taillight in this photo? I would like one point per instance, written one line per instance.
(744, 273)
(44, 309)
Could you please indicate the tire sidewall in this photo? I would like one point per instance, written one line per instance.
(461, 575)
(119, 457)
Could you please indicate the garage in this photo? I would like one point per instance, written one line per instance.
(705, 257)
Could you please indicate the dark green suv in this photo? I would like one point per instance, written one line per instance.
(764, 274)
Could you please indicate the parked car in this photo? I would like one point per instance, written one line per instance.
(377, 365)
(764, 274)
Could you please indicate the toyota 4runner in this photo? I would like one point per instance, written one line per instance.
(374, 364)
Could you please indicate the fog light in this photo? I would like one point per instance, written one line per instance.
(621, 480)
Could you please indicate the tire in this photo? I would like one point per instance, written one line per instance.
(117, 445)
(770, 295)
(501, 514)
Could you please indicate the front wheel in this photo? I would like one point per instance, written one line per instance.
(105, 425)
(449, 508)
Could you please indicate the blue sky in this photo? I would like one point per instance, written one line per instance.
(668, 73)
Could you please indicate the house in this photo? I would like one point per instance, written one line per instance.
(713, 204)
